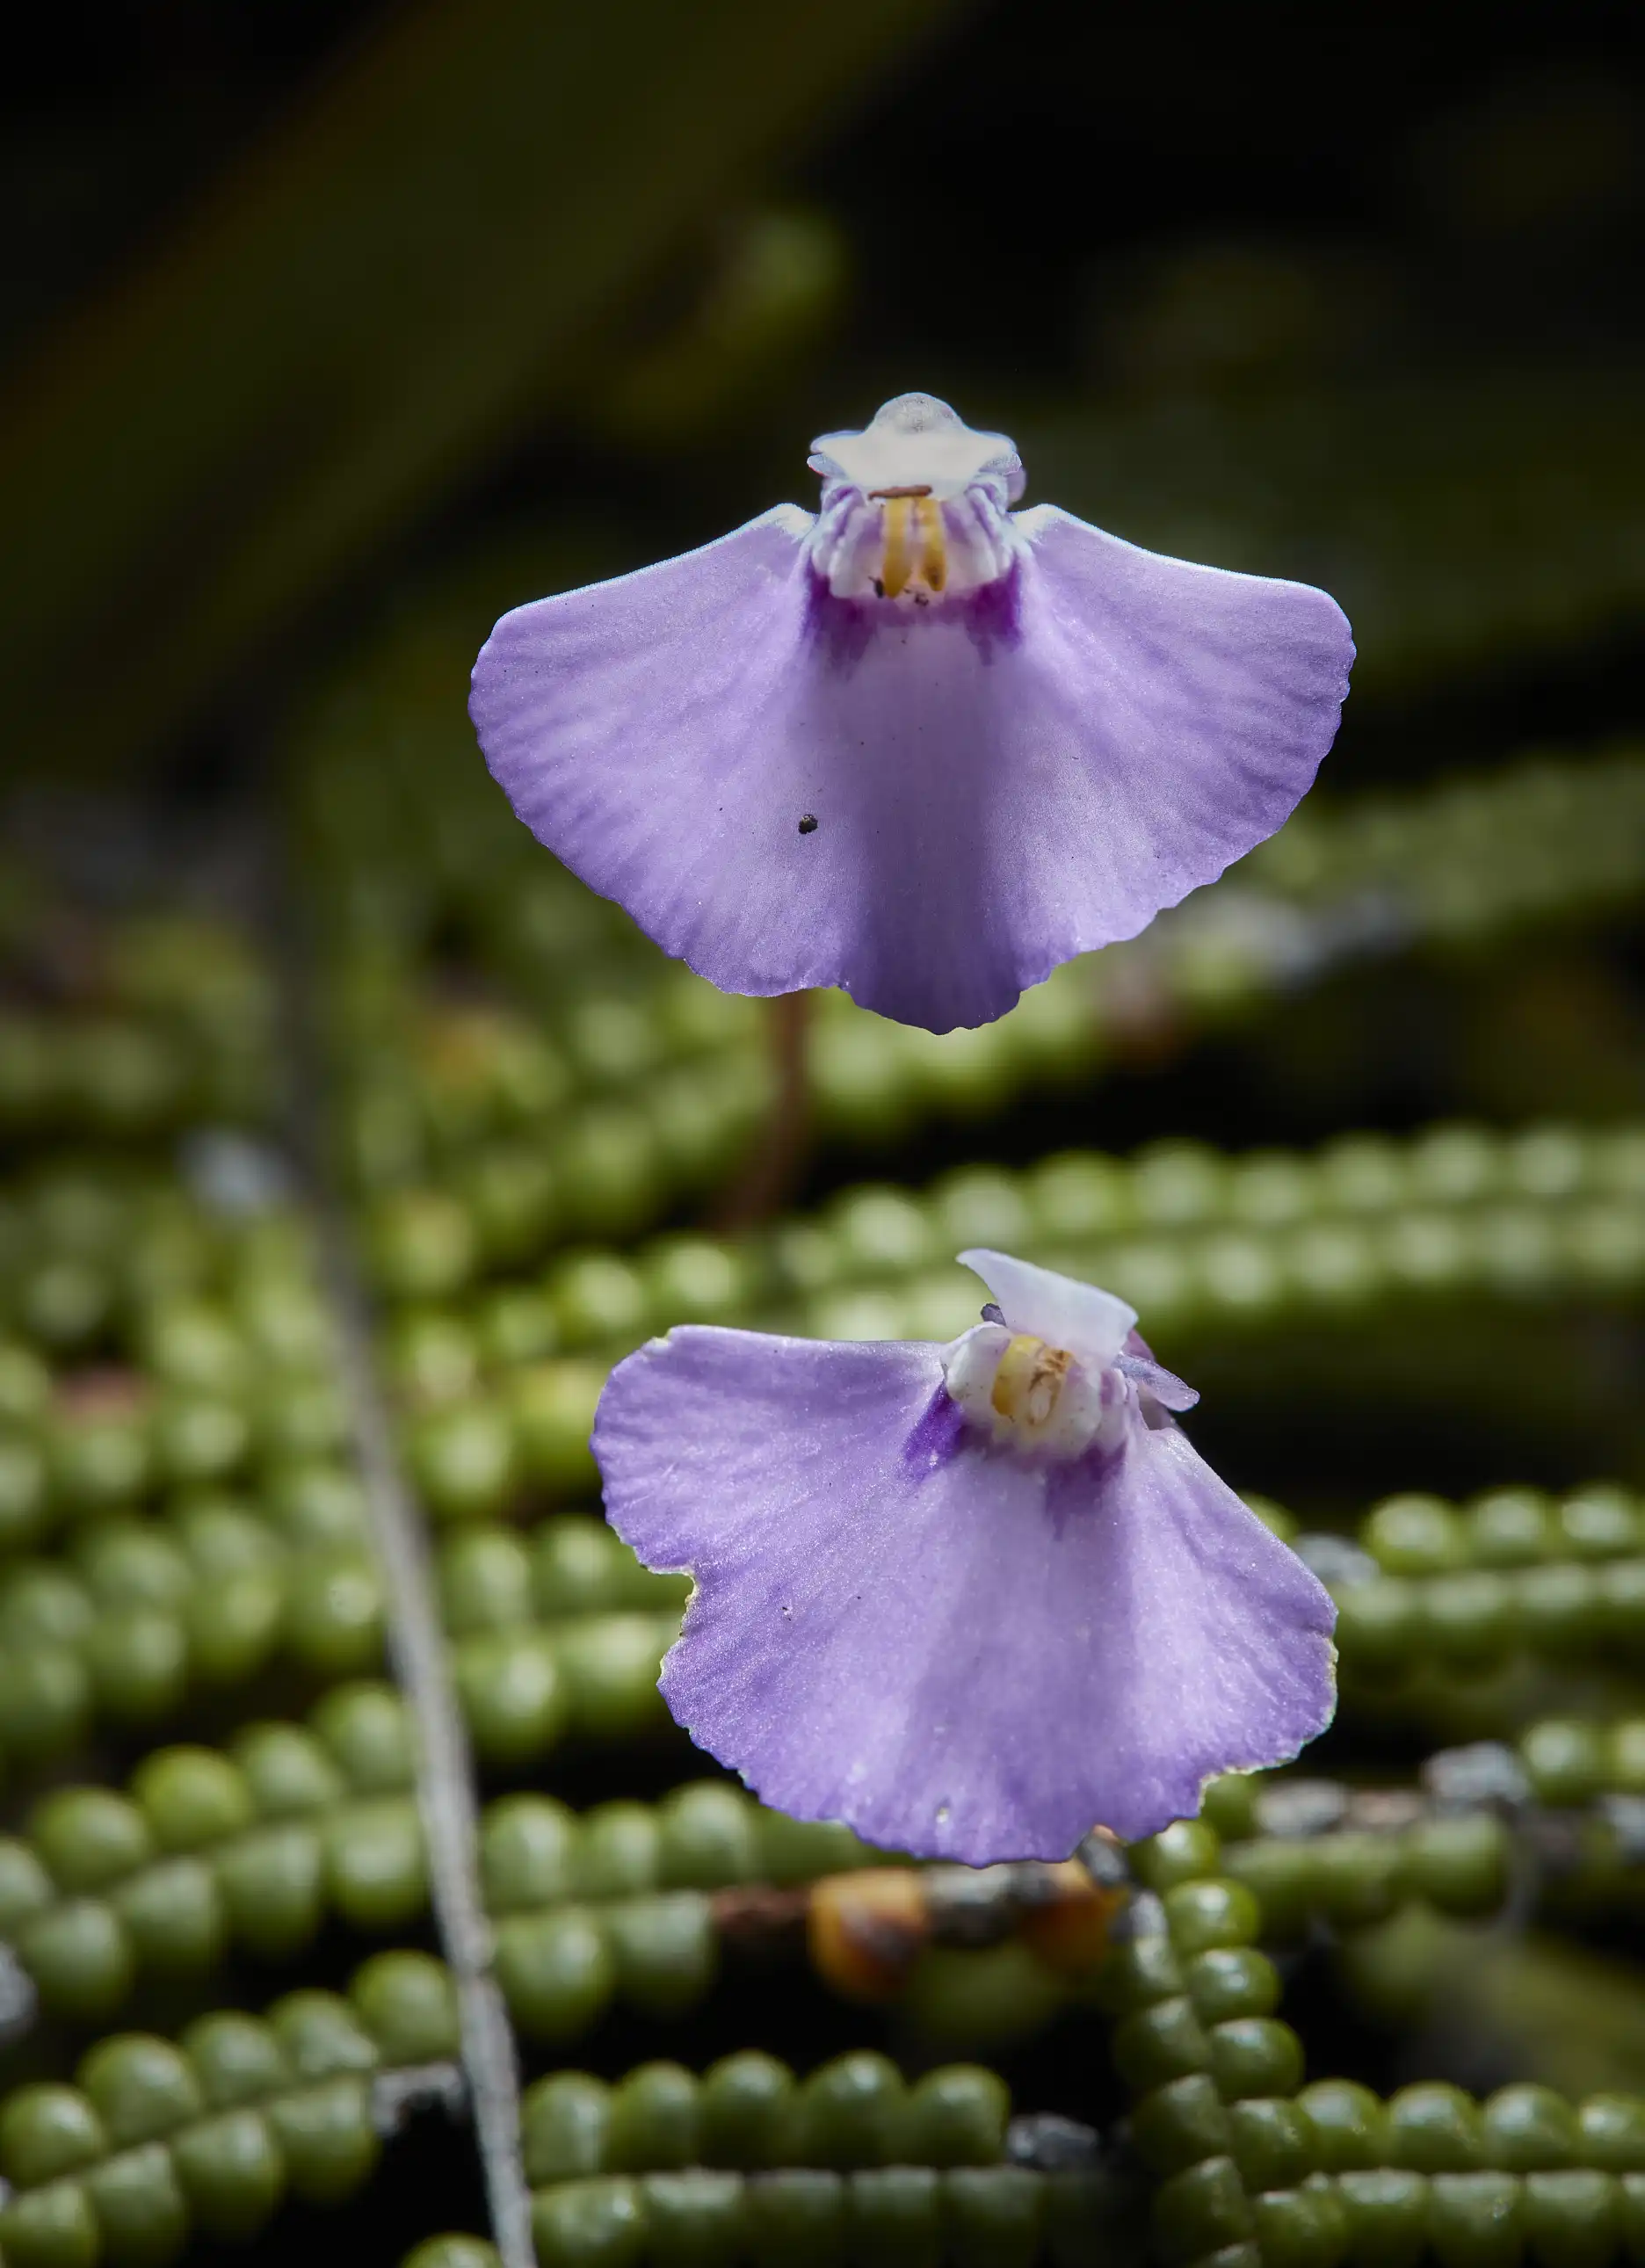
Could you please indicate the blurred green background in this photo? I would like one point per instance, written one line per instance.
(334, 330)
(302, 300)
(331, 331)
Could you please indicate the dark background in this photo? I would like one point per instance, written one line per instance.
(1155, 244)
(1072, 221)
(1038, 210)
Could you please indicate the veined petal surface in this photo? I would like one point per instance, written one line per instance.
(962, 1653)
(931, 807)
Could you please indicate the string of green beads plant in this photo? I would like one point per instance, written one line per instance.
(538, 1127)
(157, 2141)
(447, 1110)
(144, 1617)
(1256, 2168)
(1551, 1212)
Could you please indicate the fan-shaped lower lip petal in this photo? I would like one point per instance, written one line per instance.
(995, 783)
(959, 1654)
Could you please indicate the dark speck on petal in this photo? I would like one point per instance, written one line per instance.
(1168, 717)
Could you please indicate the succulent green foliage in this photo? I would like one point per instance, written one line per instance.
(537, 1129)
(199, 1535)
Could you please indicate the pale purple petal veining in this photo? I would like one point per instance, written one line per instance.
(1002, 777)
(961, 1651)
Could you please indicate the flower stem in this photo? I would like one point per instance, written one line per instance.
(772, 1173)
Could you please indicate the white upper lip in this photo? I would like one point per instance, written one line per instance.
(916, 441)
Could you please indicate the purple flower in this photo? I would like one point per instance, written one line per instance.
(973, 1600)
(917, 745)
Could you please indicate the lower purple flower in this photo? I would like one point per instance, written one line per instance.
(972, 1599)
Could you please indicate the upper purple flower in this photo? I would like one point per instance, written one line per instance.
(918, 745)
(973, 1600)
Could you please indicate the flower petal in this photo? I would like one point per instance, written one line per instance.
(987, 787)
(1201, 702)
(629, 725)
(962, 1654)
(1136, 1361)
(1064, 1313)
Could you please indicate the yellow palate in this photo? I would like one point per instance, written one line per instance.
(899, 558)
(933, 551)
(1029, 1382)
(913, 524)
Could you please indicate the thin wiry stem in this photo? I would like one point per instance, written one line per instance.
(774, 1171)
(446, 1785)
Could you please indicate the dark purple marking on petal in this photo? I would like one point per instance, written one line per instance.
(937, 1436)
(993, 613)
(841, 630)
(1074, 1486)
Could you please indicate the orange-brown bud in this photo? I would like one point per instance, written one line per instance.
(1068, 1929)
(866, 1929)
